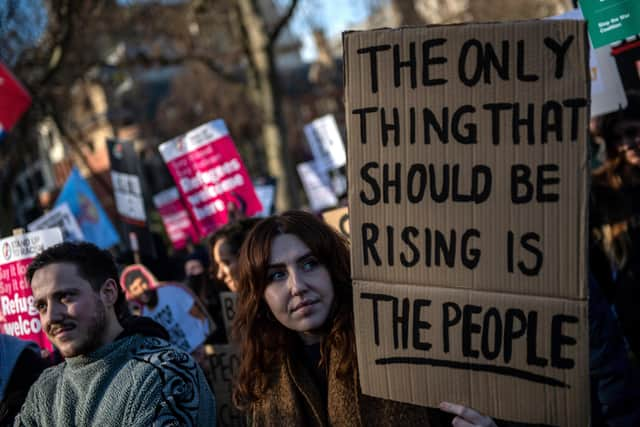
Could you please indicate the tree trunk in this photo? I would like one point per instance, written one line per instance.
(266, 93)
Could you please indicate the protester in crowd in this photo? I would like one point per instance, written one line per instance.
(198, 279)
(172, 306)
(119, 370)
(225, 246)
(615, 217)
(295, 321)
(20, 366)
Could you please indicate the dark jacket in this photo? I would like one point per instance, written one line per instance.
(294, 399)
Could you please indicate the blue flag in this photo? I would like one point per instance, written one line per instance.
(85, 206)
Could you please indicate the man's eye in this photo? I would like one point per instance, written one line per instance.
(41, 307)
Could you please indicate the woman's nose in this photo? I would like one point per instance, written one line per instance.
(297, 283)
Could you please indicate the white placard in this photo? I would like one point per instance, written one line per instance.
(607, 92)
(326, 143)
(128, 195)
(61, 217)
(318, 192)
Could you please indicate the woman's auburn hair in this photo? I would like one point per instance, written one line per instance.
(264, 342)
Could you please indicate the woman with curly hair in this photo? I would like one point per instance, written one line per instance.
(295, 323)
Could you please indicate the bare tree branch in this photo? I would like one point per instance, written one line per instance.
(282, 22)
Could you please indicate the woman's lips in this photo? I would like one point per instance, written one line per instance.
(304, 304)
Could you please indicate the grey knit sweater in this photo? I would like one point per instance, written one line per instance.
(134, 381)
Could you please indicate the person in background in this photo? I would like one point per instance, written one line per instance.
(20, 366)
(198, 279)
(295, 322)
(125, 370)
(225, 246)
(172, 306)
(615, 217)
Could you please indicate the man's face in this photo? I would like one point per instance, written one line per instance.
(139, 290)
(72, 314)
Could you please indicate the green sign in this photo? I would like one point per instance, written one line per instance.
(611, 20)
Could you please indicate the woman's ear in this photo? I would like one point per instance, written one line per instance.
(109, 292)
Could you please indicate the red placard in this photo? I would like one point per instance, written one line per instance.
(175, 218)
(18, 316)
(14, 99)
(209, 174)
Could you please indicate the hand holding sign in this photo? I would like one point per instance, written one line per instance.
(466, 417)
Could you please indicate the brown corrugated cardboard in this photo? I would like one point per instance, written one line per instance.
(468, 205)
(228, 301)
(223, 366)
(514, 357)
(338, 218)
(467, 162)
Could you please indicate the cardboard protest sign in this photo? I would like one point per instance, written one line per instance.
(326, 144)
(611, 21)
(18, 316)
(14, 100)
(228, 303)
(468, 185)
(175, 218)
(209, 174)
(319, 192)
(224, 365)
(60, 217)
(339, 219)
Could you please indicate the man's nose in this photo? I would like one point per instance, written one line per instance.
(55, 313)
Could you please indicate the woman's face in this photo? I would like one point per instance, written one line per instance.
(299, 290)
(628, 140)
(226, 263)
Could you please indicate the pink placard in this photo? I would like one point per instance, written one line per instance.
(210, 174)
(175, 218)
(18, 316)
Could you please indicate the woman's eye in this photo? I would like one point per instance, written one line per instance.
(276, 276)
(309, 264)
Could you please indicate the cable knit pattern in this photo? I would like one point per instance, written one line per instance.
(134, 381)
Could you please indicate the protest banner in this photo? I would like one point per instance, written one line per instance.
(338, 218)
(60, 217)
(607, 92)
(83, 203)
(326, 143)
(18, 315)
(611, 20)
(126, 171)
(319, 192)
(224, 365)
(468, 191)
(175, 218)
(228, 304)
(209, 174)
(14, 100)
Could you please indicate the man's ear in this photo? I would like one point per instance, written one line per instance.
(109, 292)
